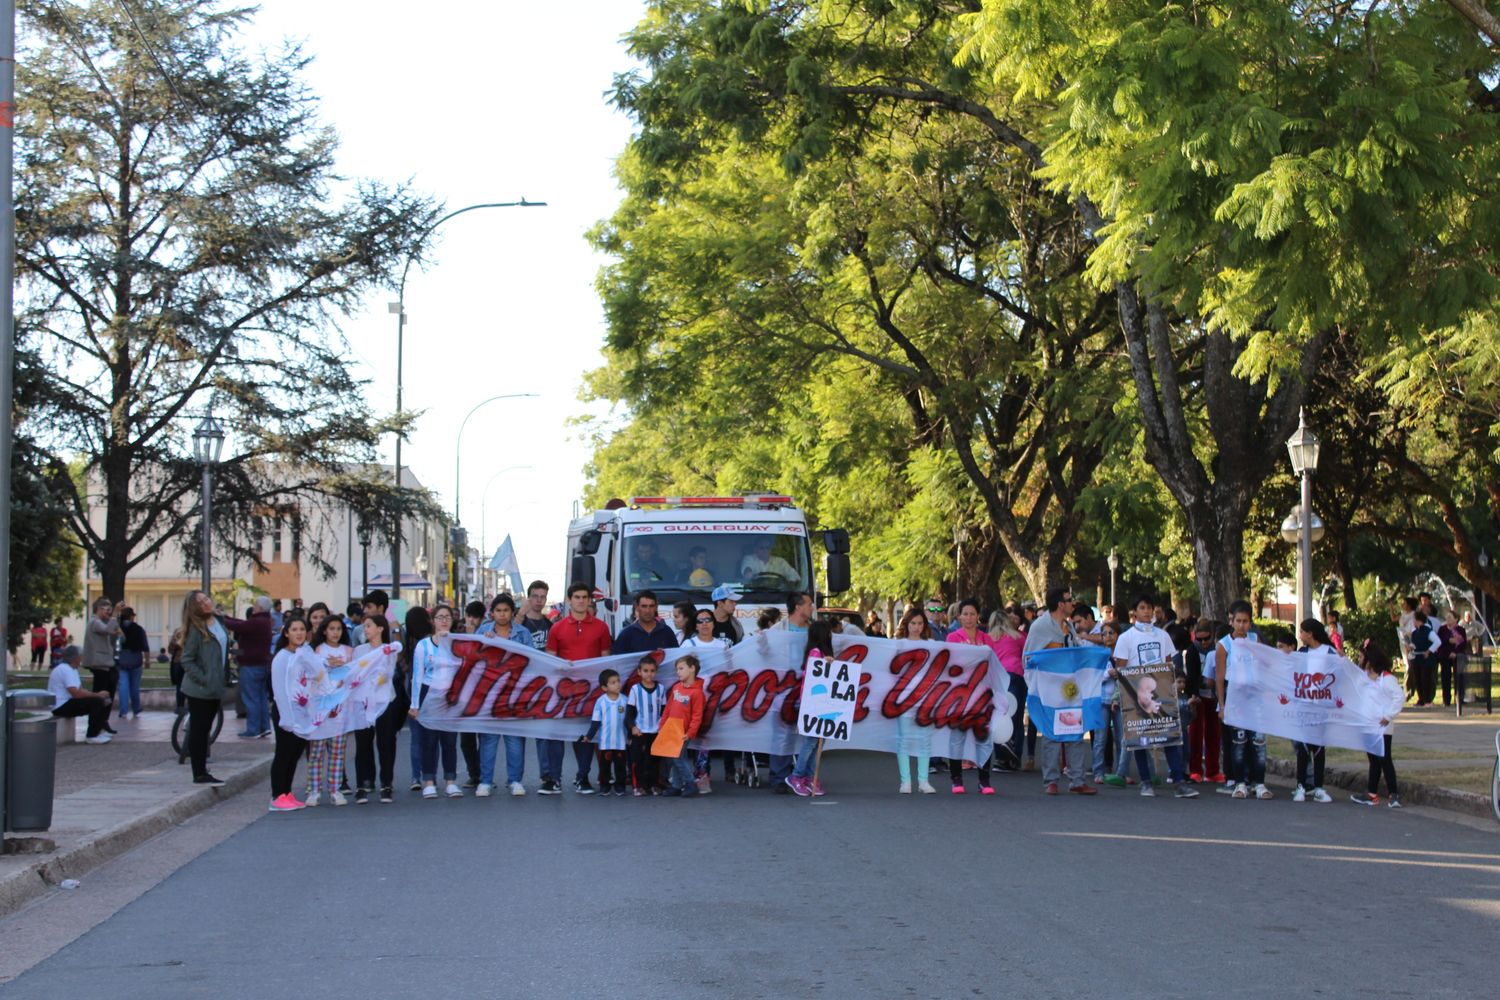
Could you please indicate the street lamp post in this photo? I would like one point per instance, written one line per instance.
(399, 308)
(1484, 598)
(458, 447)
(364, 556)
(208, 447)
(1114, 564)
(1302, 446)
(484, 499)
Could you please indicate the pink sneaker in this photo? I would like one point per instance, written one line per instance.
(817, 788)
(986, 790)
(285, 803)
(958, 789)
(798, 785)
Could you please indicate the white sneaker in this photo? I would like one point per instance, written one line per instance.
(1147, 791)
(1241, 791)
(312, 800)
(429, 791)
(926, 788)
(1262, 792)
(483, 791)
(904, 788)
(453, 791)
(1321, 796)
(337, 798)
(1300, 795)
(96, 740)
(516, 788)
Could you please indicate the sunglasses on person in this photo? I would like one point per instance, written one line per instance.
(935, 610)
(703, 621)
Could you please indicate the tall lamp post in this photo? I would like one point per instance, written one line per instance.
(1114, 565)
(458, 446)
(208, 447)
(1303, 448)
(1484, 598)
(399, 308)
(364, 556)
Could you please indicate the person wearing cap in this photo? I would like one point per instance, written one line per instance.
(726, 626)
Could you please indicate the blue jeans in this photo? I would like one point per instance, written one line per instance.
(515, 759)
(130, 689)
(415, 745)
(489, 749)
(1175, 771)
(255, 691)
(549, 755)
(434, 740)
(682, 771)
(807, 756)
(781, 767)
(1247, 758)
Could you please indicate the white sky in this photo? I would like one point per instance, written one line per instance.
(479, 102)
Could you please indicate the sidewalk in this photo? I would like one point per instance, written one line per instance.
(1441, 760)
(113, 797)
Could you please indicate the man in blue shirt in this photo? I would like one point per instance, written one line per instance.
(647, 632)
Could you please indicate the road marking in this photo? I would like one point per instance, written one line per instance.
(1274, 843)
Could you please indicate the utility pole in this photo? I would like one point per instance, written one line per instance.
(7, 328)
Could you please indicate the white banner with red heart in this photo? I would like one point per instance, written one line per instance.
(1315, 698)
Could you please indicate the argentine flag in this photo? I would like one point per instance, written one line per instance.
(1062, 690)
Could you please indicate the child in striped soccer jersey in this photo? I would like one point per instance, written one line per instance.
(608, 731)
(643, 707)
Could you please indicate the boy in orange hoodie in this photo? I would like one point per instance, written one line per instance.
(685, 702)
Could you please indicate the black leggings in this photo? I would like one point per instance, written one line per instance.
(1307, 753)
(956, 772)
(289, 750)
(201, 712)
(379, 738)
(1386, 766)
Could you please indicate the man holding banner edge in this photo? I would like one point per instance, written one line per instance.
(1142, 666)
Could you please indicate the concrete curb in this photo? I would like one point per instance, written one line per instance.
(1413, 793)
(99, 846)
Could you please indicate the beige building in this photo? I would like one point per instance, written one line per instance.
(157, 587)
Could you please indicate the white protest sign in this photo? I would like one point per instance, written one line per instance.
(830, 689)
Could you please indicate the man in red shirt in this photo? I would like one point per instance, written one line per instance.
(38, 645)
(576, 636)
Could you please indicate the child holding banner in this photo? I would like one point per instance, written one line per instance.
(969, 633)
(643, 705)
(1392, 699)
(684, 714)
(289, 746)
(325, 757)
(1247, 760)
(1309, 757)
(819, 638)
(1142, 651)
(915, 740)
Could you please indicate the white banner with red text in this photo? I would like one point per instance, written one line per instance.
(914, 697)
(1312, 698)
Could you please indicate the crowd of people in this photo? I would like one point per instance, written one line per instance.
(627, 720)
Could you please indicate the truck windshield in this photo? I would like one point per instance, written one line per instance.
(689, 564)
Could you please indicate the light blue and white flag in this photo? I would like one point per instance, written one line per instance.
(1063, 687)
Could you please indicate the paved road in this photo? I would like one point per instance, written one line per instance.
(865, 894)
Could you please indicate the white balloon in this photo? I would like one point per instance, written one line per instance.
(1000, 728)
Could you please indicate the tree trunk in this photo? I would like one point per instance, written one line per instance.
(1218, 557)
(114, 555)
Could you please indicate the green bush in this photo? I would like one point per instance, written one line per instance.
(1377, 625)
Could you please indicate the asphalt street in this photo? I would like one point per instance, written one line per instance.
(861, 894)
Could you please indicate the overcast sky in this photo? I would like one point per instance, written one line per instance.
(483, 102)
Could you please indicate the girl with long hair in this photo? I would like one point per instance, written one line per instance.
(325, 756)
(289, 746)
(418, 627)
(205, 645)
(820, 640)
(913, 740)
(380, 737)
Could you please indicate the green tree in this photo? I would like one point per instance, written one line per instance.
(180, 245)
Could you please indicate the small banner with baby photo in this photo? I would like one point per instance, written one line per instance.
(1148, 706)
(329, 696)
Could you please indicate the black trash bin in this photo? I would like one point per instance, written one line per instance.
(30, 762)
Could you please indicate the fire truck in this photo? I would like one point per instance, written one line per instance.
(685, 548)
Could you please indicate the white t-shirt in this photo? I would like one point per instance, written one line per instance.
(58, 682)
(1141, 647)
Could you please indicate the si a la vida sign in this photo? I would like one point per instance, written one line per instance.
(830, 693)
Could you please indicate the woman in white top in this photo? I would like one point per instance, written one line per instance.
(703, 636)
(1315, 643)
(381, 737)
(289, 746)
(424, 672)
(325, 757)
